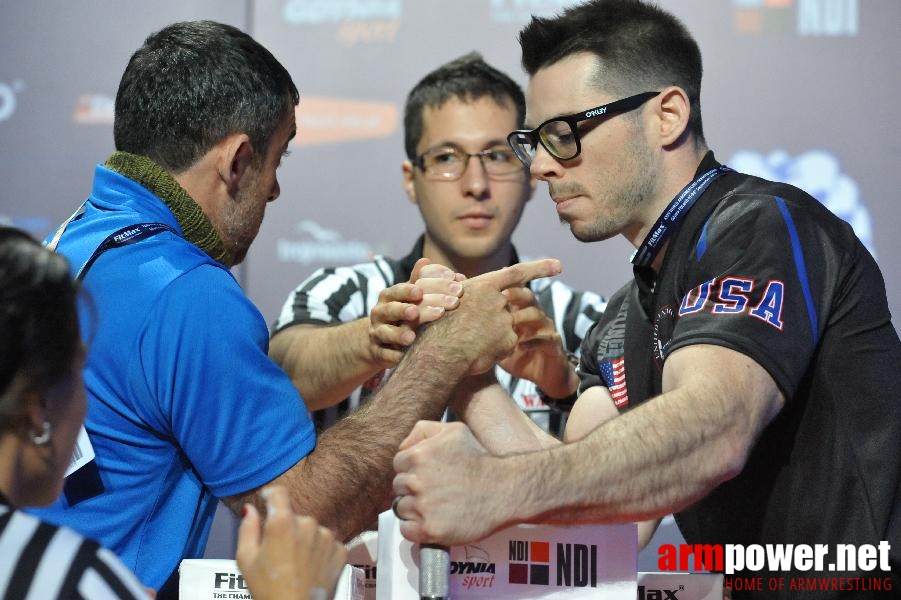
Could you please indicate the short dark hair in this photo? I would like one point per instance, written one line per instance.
(642, 48)
(468, 78)
(193, 83)
(38, 315)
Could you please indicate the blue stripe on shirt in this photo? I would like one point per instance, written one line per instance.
(800, 266)
(702, 240)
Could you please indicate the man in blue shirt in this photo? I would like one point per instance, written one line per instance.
(185, 407)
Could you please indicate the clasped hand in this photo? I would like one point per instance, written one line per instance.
(404, 307)
(539, 354)
(495, 315)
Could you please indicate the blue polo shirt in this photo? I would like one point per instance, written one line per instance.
(184, 405)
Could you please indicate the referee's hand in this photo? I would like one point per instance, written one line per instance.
(404, 307)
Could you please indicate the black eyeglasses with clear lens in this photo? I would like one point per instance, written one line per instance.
(560, 135)
(450, 162)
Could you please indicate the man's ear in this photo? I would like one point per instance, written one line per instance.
(407, 168)
(672, 108)
(235, 157)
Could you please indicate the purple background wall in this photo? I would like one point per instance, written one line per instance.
(798, 90)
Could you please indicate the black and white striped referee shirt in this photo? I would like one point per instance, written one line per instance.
(343, 294)
(40, 561)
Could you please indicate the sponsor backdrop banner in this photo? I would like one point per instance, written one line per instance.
(796, 90)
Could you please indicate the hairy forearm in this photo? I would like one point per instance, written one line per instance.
(346, 481)
(658, 474)
(325, 362)
(659, 457)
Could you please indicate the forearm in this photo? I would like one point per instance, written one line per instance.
(658, 458)
(656, 476)
(661, 456)
(346, 481)
(495, 419)
(325, 362)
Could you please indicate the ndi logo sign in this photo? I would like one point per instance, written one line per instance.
(8, 98)
(818, 173)
(809, 17)
(827, 17)
(576, 564)
(532, 562)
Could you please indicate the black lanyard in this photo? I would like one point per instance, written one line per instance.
(674, 213)
(123, 237)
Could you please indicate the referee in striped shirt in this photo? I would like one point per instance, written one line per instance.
(42, 405)
(343, 329)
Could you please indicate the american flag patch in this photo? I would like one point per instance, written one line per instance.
(614, 374)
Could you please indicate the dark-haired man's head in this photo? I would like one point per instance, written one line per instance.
(460, 173)
(638, 46)
(468, 78)
(193, 83)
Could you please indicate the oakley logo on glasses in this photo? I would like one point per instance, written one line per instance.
(560, 136)
(596, 112)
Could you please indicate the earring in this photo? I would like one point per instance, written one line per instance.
(44, 437)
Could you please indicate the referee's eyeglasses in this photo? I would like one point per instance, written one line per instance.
(448, 162)
(560, 135)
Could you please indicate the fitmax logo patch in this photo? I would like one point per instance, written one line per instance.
(646, 593)
(230, 586)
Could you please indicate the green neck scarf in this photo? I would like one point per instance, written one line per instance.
(193, 221)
